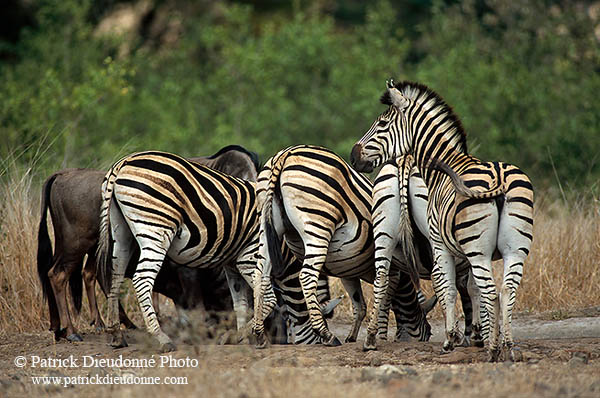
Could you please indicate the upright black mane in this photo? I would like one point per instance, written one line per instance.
(252, 155)
(421, 93)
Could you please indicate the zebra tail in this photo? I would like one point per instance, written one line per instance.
(105, 241)
(44, 252)
(278, 266)
(462, 188)
(407, 240)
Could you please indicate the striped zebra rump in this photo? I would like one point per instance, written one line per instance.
(311, 197)
(400, 199)
(169, 207)
(475, 211)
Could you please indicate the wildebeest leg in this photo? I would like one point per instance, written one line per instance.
(89, 279)
(59, 276)
(53, 309)
(191, 296)
(359, 307)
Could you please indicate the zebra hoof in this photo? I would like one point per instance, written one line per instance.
(167, 347)
(261, 341)
(447, 347)
(333, 342)
(350, 339)
(370, 343)
(477, 341)
(118, 340)
(515, 354)
(74, 338)
(493, 355)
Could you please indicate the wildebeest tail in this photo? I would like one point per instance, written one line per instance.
(44, 252)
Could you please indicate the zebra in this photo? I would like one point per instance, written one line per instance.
(312, 198)
(399, 192)
(289, 289)
(196, 216)
(72, 199)
(476, 210)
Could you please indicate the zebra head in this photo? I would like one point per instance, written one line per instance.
(386, 138)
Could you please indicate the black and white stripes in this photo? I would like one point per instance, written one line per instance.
(312, 198)
(170, 207)
(475, 210)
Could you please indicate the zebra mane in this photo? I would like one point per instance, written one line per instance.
(420, 93)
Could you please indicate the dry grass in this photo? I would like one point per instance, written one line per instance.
(20, 289)
(561, 273)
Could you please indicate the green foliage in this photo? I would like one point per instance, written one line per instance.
(522, 79)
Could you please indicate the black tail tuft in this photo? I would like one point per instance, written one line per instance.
(274, 246)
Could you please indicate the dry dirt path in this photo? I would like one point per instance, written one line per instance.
(560, 358)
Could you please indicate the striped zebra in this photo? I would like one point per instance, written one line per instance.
(312, 198)
(399, 194)
(476, 210)
(289, 289)
(196, 216)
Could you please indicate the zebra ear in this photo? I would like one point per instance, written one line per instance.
(397, 99)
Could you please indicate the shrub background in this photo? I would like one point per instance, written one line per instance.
(84, 82)
(88, 82)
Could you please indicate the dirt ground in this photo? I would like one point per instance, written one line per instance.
(560, 358)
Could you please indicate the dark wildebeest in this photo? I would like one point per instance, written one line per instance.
(73, 198)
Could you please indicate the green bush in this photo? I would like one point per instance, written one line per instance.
(522, 76)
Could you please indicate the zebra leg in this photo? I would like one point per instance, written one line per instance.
(515, 233)
(151, 259)
(482, 273)
(121, 254)
(443, 276)
(513, 269)
(359, 307)
(264, 296)
(462, 282)
(411, 318)
(239, 293)
(402, 333)
(380, 286)
(387, 223)
(309, 276)
(478, 311)
(384, 313)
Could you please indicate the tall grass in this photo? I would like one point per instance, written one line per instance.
(20, 289)
(561, 272)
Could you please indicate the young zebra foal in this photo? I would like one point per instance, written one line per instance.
(475, 209)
